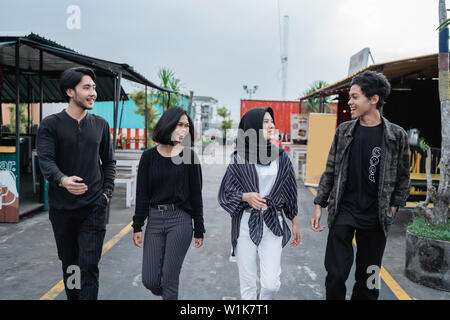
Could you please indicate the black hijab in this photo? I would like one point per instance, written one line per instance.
(263, 151)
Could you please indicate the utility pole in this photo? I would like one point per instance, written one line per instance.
(284, 57)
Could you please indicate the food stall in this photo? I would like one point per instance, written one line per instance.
(30, 67)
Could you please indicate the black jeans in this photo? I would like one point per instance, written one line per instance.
(79, 236)
(339, 260)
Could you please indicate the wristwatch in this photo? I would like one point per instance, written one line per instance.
(108, 192)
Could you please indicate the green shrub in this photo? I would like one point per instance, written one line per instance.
(421, 227)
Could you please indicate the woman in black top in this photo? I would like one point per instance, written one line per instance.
(168, 192)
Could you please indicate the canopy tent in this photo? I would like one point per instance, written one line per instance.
(397, 71)
(414, 98)
(30, 66)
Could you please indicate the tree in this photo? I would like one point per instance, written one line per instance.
(168, 80)
(441, 197)
(226, 122)
(313, 104)
(139, 98)
(23, 119)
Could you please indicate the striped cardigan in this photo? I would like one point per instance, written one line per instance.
(241, 177)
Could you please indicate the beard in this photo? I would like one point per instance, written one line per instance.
(81, 104)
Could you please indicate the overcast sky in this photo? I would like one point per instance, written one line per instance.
(216, 46)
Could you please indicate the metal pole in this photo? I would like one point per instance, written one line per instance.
(42, 183)
(17, 63)
(116, 107)
(168, 102)
(146, 122)
(114, 114)
(121, 115)
(114, 111)
(29, 106)
(41, 85)
(17, 96)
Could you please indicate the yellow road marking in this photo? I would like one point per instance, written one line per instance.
(393, 285)
(53, 292)
(387, 278)
(59, 287)
(116, 238)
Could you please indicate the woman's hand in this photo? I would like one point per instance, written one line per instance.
(295, 233)
(254, 199)
(137, 238)
(198, 242)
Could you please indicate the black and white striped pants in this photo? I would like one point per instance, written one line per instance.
(168, 235)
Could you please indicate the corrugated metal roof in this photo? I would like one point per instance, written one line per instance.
(410, 68)
(56, 59)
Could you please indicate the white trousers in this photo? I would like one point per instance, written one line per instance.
(269, 252)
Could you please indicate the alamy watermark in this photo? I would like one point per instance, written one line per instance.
(373, 282)
(249, 144)
(73, 22)
(74, 280)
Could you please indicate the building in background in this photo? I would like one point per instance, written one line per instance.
(205, 113)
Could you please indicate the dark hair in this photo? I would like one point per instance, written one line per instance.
(162, 133)
(373, 83)
(71, 77)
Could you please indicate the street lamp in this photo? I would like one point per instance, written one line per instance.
(250, 91)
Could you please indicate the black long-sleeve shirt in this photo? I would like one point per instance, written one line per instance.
(68, 148)
(162, 180)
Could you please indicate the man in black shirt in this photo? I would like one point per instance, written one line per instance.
(76, 157)
(365, 181)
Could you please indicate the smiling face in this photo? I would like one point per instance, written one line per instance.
(181, 130)
(84, 94)
(268, 126)
(359, 104)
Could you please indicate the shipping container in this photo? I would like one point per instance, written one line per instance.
(282, 111)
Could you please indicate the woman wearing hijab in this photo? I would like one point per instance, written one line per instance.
(169, 193)
(259, 191)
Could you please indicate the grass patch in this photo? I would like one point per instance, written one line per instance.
(421, 227)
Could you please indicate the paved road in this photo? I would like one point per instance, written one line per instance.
(30, 267)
